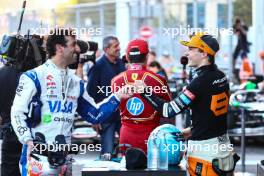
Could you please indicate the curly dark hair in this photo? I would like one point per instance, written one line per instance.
(57, 36)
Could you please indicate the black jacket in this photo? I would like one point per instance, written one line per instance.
(207, 96)
(9, 78)
(101, 75)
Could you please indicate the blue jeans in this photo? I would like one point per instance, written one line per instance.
(108, 136)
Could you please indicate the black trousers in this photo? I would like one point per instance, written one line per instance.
(11, 150)
(239, 51)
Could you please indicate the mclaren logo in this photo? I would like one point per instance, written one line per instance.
(220, 80)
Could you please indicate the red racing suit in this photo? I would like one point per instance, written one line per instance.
(138, 117)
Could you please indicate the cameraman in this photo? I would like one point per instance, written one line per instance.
(242, 47)
(9, 76)
(11, 147)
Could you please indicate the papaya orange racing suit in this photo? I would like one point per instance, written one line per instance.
(207, 96)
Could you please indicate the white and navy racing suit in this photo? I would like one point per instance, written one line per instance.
(62, 94)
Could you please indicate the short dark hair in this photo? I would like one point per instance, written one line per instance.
(106, 41)
(155, 64)
(57, 36)
(211, 59)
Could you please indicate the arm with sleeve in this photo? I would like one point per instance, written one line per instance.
(96, 113)
(180, 103)
(25, 91)
(93, 82)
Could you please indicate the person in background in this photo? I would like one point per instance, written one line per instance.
(9, 77)
(167, 63)
(11, 147)
(155, 67)
(242, 47)
(99, 81)
(152, 56)
(261, 84)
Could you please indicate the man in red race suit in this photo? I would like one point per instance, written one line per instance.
(138, 117)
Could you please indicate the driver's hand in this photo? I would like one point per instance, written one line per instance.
(187, 133)
(125, 92)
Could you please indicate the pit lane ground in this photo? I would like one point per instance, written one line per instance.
(254, 153)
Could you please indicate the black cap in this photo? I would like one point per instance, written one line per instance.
(136, 159)
(211, 42)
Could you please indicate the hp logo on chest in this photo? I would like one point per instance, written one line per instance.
(135, 106)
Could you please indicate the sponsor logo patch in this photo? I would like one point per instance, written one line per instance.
(21, 130)
(135, 106)
(134, 76)
(46, 118)
(49, 77)
(185, 99)
(189, 94)
(57, 106)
